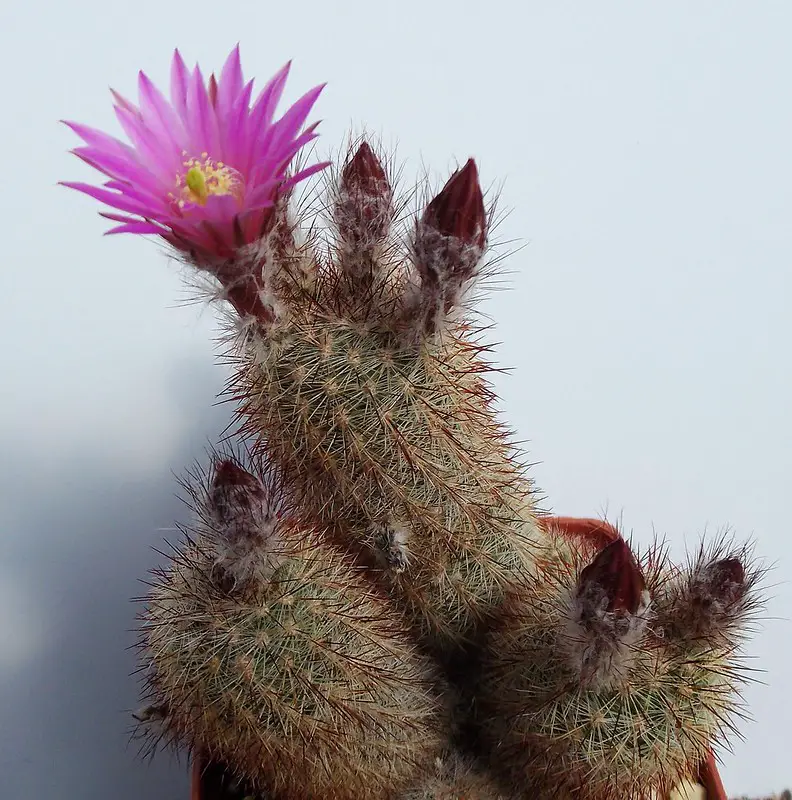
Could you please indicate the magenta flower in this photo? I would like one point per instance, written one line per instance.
(204, 168)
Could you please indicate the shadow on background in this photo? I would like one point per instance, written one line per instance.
(77, 538)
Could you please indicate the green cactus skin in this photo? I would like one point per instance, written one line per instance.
(639, 730)
(304, 683)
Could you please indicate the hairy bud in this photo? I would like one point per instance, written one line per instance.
(244, 513)
(364, 206)
(448, 245)
(458, 210)
(606, 616)
(389, 542)
(614, 578)
(708, 603)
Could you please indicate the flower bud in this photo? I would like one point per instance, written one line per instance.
(615, 575)
(606, 617)
(237, 497)
(448, 245)
(364, 207)
(458, 210)
(244, 526)
(725, 580)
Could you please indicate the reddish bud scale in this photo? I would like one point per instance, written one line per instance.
(615, 571)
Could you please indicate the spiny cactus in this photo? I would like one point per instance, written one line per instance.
(308, 645)
(373, 403)
(268, 652)
(596, 679)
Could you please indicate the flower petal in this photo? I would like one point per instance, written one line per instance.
(158, 115)
(134, 227)
(179, 82)
(230, 85)
(148, 147)
(288, 126)
(120, 168)
(108, 198)
(201, 114)
(102, 141)
(303, 174)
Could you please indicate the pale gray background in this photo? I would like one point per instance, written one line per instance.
(644, 150)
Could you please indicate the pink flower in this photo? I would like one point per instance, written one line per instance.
(203, 169)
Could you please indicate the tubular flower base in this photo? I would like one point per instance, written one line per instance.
(204, 169)
(370, 604)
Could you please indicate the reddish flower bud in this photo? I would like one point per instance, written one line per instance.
(364, 173)
(235, 492)
(615, 572)
(458, 210)
(448, 246)
(364, 208)
(727, 578)
(244, 526)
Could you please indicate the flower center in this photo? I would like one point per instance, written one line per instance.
(203, 177)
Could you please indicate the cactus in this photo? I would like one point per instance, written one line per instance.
(375, 587)
(281, 661)
(605, 677)
(373, 402)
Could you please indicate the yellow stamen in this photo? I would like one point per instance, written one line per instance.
(203, 177)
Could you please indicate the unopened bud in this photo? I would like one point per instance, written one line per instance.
(458, 210)
(364, 173)
(236, 495)
(615, 574)
(448, 245)
(364, 207)
(245, 521)
(607, 616)
(725, 580)
(709, 603)
(389, 540)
